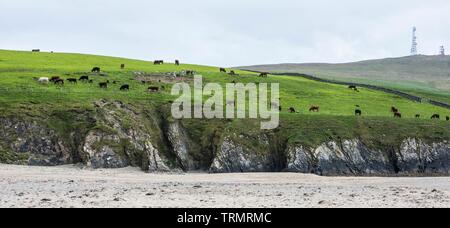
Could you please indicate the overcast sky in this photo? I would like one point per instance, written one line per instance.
(227, 32)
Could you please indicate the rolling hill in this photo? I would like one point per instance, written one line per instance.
(426, 76)
(51, 125)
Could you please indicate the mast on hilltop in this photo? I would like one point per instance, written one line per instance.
(414, 42)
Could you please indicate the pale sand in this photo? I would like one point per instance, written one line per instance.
(70, 186)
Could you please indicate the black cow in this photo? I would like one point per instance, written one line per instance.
(36, 50)
(177, 62)
(91, 81)
(59, 82)
(158, 62)
(292, 110)
(103, 85)
(122, 66)
(125, 87)
(264, 75)
(417, 116)
(83, 78)
(72, 80)
(435, 116)
(190, 73)
(358, 112)
(223, 70)
(397, 115)
(96, 70)
(447, 118)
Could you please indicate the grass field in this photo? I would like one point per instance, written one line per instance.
(18, 86)
(20, 93)
(425, 76)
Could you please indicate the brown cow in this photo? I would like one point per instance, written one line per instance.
(55, 78)
(394, 109)
(264, 75)
(72, 80)
(314, 109)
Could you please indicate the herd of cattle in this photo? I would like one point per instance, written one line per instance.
(104, 85)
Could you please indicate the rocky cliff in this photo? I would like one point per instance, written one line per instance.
(115, 135)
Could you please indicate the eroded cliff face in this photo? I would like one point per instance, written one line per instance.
(352, 157)
(115, 135)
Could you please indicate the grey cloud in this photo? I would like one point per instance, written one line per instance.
(227, 32)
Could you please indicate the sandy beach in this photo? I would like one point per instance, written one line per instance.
(72, 186)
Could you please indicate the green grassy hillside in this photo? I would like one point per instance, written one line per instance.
(18, 71)
(21, 94)
(427, 76)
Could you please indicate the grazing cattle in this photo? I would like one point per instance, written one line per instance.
(96, 70)
(143, 82)
(72, 80)
(353, 87)
(292, 110)
(232, 73)
(59, 82)
(417, 116)
(447, 118)
(264, 75)
(43, 80)
(314, 109)
(153, 89)
(125, 87)
(223, 70)
(358, 112)
(190, 73)
(122, 66)
(394, 109)
(83, 78)
(103, 85)
(177, 62)
(397, 115)
(91, 81)
(435, 116)
(36, 50)
(158, 62)
(55, 78)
